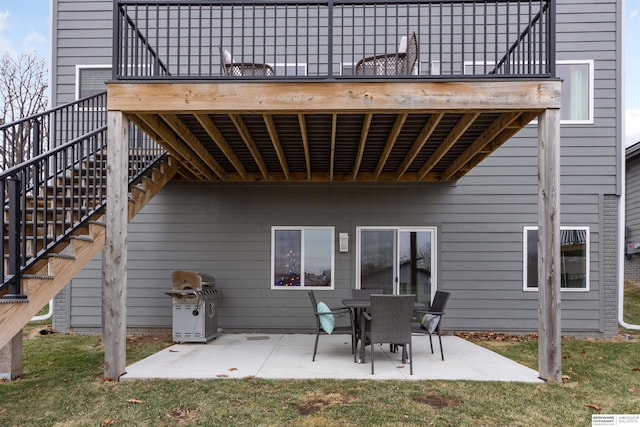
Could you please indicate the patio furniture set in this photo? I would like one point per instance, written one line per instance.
(401, 62)
(376, 318)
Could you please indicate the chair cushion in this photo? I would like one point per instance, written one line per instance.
(226, 55)
(430, 322)
(327, 321)
(402, 47)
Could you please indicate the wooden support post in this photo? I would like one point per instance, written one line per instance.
(549, 329)
(11, 359)
(114, 258)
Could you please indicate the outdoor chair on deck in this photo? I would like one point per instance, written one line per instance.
(239, 69)
(364, 293)
(390, 320)
(325, 322)
(432, 319)
(399, 63)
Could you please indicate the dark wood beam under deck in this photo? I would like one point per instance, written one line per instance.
(378, 131)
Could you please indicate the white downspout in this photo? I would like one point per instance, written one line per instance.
(621, 246)
(623, 180)
(44, 316)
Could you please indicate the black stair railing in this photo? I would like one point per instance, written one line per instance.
(59, 183)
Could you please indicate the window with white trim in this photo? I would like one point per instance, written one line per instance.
(577, 91)
(576, 102)
(574, 258)
(91, 79)
(302, 257)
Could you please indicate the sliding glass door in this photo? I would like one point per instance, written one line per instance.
(377, 259)
(398, 260)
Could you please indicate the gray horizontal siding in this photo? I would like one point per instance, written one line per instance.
(632, 220)
(225, 230)
(82, 33)
(633, 199)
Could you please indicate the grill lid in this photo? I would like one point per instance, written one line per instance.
(182, 279)
(205, 293)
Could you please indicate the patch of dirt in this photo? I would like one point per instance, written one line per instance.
(498, 336)
(630, 285)
(317, 401)
(495, 336)
(32, 332)
(182, 415)
(437, 402)
(148, 338)
(618, 338)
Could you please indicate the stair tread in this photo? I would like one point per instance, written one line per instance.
(56, 221)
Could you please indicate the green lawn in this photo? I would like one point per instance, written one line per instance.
(62, 386)
(632, 302)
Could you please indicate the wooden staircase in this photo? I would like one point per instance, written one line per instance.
(46, 277)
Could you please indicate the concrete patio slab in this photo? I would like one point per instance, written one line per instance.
(288, 356)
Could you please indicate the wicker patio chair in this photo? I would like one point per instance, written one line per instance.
(239, 69)
(361, 294)
(401, 62)
(364, 293)
(390, 321)
(432, 319)
(324, 315)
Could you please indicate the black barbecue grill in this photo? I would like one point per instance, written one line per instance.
(195, 315)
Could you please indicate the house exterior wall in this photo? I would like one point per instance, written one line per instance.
(225, 230)
(632, 216)
(81, 35)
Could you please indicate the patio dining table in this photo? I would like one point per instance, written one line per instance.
(358, 307)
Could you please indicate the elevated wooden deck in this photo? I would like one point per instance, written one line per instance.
(375, 131)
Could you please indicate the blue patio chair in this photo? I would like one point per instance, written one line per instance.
(325, 322)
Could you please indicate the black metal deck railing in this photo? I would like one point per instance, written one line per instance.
(54, 179)
(325, 39)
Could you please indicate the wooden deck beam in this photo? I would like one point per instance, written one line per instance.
(160, 106)
(363, 141)
(305, 143)
(480, 143)
(275, 140)
(250, 143)
(196, 146)
(217, 137)
(334, 132)
(332, 97)
(420, 141)
(176, 147)
(462, 125)
(391, 140)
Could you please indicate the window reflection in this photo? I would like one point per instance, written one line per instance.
(575, 91)
(317, 257)
(302, 257)
(573, 258)
(288, 245)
